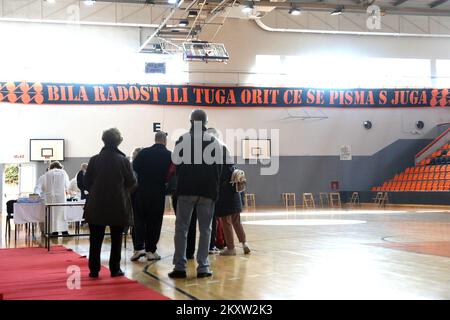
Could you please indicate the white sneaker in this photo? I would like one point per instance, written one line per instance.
(214, 250)
(246, 248)
(153, 256)
(228, 252)
(137, 254)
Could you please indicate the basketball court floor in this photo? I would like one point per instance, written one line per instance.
(363, 253)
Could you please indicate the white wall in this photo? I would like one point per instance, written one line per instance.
(60, 53)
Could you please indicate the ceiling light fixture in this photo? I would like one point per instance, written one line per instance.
(89, 2)
(337, 11)
(172, 1)
(295, 11)
(192, 14)
(183, 23)
(247, 8)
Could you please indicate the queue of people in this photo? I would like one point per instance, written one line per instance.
(122, 194)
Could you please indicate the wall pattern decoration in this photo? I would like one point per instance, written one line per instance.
(219, 96)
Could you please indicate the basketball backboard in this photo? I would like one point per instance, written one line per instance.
(46, 149)
(253, 149)
(203, 51)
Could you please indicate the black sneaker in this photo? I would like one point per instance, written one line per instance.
(204, 274)
(65, 233)
(176, 274)
(118, 273)
(93, 275)
(190, 257)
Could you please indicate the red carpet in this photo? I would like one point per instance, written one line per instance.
(36, 274)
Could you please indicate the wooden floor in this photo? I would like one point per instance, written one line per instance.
(356, 254)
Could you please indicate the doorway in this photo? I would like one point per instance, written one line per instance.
(18, 180)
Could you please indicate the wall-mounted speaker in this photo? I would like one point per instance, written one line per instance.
(367, 125)
(420, 125)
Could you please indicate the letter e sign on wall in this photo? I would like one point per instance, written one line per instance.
(156, 126)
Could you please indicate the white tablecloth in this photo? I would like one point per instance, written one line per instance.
(35, 212)
(29, 212)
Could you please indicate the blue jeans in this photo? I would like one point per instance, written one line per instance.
(205, 211)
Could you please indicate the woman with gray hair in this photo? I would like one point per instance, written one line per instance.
(109, 180)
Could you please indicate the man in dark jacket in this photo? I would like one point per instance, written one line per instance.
(109, 180)
(198, 158)
(152, 167)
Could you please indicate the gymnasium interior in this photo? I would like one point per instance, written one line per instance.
(337, 111)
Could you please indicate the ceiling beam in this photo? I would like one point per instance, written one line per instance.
(436, 3)
(399, 2)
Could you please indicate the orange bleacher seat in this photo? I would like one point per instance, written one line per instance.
(390, 186)
(408, 186)
(447, 185)
(403, 186)
(427, 161)
(447, 175)
(435, 186)
(413, 186)
(441, 186)
(422, 163)
(443, 168)
(425, 176)
(397, 186)
(437, 175)
(448, 168)
(429, 186)
(415, 177)
(432, 168)
(427, 169)
(416, 170)
(419, 186)
(408, 170)
(442, 176)
(420, 176)
(422, 169)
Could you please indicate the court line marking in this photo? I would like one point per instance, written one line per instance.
(147, 272)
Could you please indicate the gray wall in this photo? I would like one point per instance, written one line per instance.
(315, 173)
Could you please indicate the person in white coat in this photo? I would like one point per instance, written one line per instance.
(55, 184)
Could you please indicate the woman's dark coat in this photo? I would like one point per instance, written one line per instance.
(229, 201)
(109, 180)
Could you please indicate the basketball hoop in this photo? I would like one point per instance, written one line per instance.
(47, 159)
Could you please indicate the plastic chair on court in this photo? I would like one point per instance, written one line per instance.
(383, 200)
(354, 201)
(377, 198)
(308, 201)
(324, 201)
(335, 200)
(289, 199)
(249, 200)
